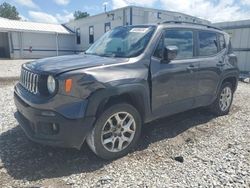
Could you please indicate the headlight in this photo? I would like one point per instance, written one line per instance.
(51, 84)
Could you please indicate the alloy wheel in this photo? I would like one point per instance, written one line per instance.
(225, 98)
(118, 132)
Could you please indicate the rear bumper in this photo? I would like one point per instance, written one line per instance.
(51, 128)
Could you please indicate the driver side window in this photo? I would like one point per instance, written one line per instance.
(183, 39)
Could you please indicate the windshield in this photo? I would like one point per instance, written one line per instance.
(129, 41)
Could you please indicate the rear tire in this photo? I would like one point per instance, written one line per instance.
(221, 106)
(116, 132)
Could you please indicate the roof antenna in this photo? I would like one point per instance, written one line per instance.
(105, 4)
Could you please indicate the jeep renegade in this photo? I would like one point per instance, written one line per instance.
(128, 77)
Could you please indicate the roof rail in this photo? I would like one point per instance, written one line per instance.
(193, 23)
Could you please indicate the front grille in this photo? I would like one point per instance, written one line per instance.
(29, 81)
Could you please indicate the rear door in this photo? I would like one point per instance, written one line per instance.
(174, 84)
(211, 52)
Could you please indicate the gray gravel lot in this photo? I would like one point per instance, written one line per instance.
(215, 150)
(10, 69)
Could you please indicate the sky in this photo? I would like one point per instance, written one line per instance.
(61, 11)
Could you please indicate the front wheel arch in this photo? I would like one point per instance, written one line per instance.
(130, 98)
(136, 95)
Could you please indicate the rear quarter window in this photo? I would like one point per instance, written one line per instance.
(230, 47)
(222, 41)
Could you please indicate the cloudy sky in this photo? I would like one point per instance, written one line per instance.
(61, 11)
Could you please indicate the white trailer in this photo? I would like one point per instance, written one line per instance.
(240, 33)
(19, 39)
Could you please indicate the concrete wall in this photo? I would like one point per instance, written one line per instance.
(40, 45)
(240, 36)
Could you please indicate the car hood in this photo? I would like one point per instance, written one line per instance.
(57, 65)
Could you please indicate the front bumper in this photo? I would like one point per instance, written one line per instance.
(52, 128)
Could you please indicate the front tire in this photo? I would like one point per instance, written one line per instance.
(223, 102)
(116, 132)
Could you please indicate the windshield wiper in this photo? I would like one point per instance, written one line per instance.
(104, 55)
(91, 53)
(108, 55)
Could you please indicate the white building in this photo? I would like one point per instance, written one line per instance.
(240, 34)
(89, 29)
(19, 39)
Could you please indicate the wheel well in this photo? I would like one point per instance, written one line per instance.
(126, 98)
(231, 80)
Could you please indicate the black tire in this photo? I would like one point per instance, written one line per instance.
(215, 108)
(94, 139)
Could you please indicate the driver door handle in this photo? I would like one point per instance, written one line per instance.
(220, 64)
(192, 67)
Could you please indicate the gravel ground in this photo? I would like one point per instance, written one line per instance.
(12, 70)
(191, 149)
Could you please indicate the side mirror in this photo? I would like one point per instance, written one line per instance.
(170, 53)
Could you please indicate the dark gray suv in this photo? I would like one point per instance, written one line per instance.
(130, 76)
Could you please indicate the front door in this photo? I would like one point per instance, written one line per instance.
(174, 84)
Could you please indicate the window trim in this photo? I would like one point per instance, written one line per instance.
(185, 29)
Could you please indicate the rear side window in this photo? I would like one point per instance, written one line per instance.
(207, 43)
(183, 39)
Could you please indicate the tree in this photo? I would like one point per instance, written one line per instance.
(79, 14)
(9, 11)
